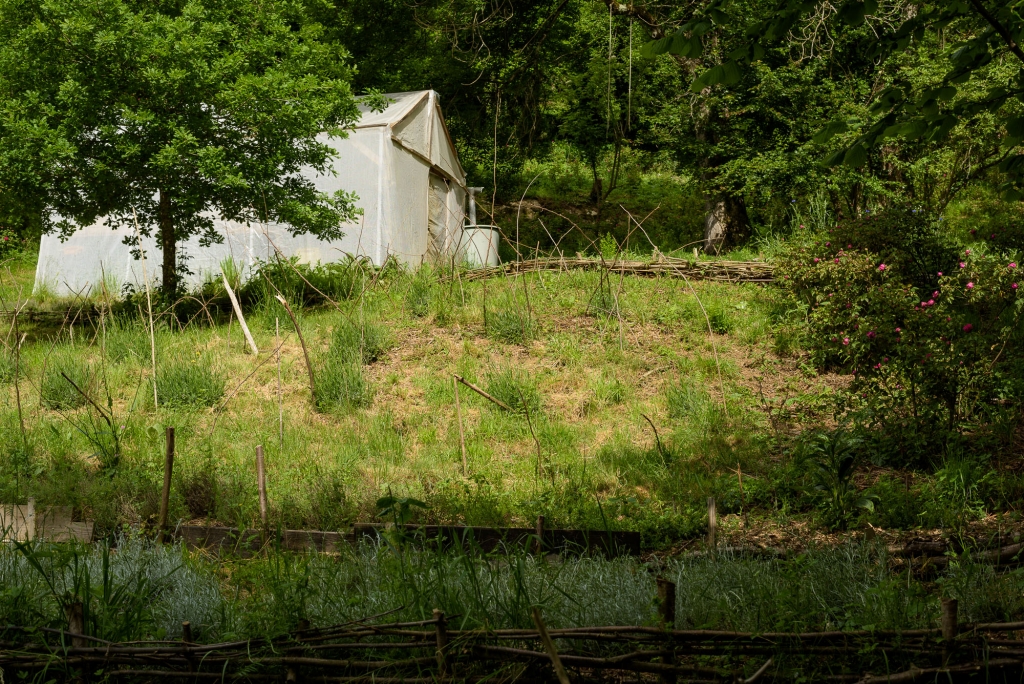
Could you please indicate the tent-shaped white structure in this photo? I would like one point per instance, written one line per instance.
(400, 162)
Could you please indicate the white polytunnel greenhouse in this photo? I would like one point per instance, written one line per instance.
(401, 164)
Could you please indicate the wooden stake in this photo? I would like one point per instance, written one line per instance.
(441, 636)
(712, 523)
(18, 339)
(549, 646)
(667, 619)
(165, 495)
(261, 479)
(462, 436)
(186, 636)
(540, 534)
(949, 627)
(30, 519)
(280, 398)
(76, 622)
(238, 312)
(302, 341)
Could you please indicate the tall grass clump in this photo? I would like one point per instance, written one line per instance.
(360, 341)
(126, 340)
(507, 318)
(515, 389)
(7, 367)
(341, 384)
(688, 402)
(306, 284)
(56, 392)
(189, 382)
(419, 292)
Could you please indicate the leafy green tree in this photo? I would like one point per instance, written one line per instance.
(171, 111)
(971, 35)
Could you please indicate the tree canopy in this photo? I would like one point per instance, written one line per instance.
(171, 111)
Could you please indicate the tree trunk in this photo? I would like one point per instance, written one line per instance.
(726, 223)
(169, 245)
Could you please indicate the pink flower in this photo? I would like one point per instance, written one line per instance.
(816, 259)
(801, 225)
(849, 246)
(1014, 286)
(940, 274)
(963, 265)
(1013, 264)
(968, 327)
(881, 267)
(970, 286)
(967, 251)
(837, 261)
(871, 334)
(931, 302)
(935, 294)
(828, 244)
(897, 330)
(877, 366)
(846, 340)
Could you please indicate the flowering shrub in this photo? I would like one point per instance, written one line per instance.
(9, 243)
(933, 357)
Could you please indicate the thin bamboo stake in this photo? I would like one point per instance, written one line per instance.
(280, 397)
(18, 339)
(462, 436)
(302, 341)
(261, 481)
(238, 312)
(149, 306)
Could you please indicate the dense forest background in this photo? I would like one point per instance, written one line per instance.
(552, 98)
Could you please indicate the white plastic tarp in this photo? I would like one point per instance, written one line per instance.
(388, 161)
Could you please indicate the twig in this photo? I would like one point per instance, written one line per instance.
(238, 312)
(302, 341)
(462, 436)
(483, 394)
(549, 646)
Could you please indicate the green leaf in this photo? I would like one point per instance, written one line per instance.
(831, 130)
(852, 13)
(856, 156)
(657, 47)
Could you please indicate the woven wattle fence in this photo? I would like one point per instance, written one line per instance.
(432, 651)
(723, 271)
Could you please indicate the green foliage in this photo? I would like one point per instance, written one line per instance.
(831, 459)
(307, 284)
(188, 381)
(507, 318)
(419, 293)
(515, 389)
(56, 392)
(399, 510)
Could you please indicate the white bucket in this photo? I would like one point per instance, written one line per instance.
(479, 246)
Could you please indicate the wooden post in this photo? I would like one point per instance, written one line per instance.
(76, 622)
(186, 637)
(165, 495)
(261, 479)
(712, 523)
(549, 646)
(667, 620)
(441, 632)
(949, 628)
(292, 673)
(462, 436)
(540, 534)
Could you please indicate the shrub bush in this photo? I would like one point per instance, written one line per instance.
(930, 355)
(56, 392)
(188, 382)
